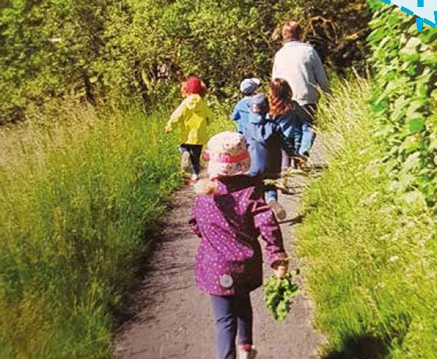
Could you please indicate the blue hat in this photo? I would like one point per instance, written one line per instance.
(248, 86)
(260, 100)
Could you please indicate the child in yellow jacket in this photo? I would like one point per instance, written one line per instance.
(193, 115)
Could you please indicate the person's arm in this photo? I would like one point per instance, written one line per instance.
(209, 116)
(275, 69)
(268, 227)
(319, 72)
(287, 140)
(236, 113)
(176, 117)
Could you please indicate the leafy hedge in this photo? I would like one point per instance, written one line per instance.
(405, 100)
(116, 51)
(369, 254)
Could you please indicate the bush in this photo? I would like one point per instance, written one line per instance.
(370, 255)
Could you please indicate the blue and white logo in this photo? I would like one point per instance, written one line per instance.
(426, 10)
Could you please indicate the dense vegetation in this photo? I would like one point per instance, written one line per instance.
(370, 233)
(405, 100)
(77, 198)
(370, 254)
(86, 176)
(118, 52)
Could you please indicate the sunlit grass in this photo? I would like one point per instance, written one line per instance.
(78, 194)
(370, 256)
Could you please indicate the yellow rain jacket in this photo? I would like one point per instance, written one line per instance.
(194, 116)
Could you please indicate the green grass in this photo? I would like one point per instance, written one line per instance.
(370, 256)
(78, 193)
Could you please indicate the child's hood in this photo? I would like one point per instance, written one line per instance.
(194, 102)
(261, 130)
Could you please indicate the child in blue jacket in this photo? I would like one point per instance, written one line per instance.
(242, 110)
(290, 117)
(265, 141)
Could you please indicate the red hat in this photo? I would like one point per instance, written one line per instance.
(194, 85)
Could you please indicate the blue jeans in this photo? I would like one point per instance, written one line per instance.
(270, 192)
(233, 314)
(308, 133)
(195, 151)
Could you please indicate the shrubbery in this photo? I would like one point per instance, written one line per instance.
(122, 51)
(369, 253)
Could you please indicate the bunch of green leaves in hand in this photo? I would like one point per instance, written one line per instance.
(279, 294)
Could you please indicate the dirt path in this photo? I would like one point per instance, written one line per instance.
(174, 320)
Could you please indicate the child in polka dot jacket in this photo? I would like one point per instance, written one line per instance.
(229, 215)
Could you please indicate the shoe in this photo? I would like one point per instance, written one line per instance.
(193, 180)
(247, 354)
(277, 208)
(185, 162)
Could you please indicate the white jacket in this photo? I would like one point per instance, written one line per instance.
(300, 65)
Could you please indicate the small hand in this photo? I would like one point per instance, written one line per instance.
(167, 130)
(281, 269)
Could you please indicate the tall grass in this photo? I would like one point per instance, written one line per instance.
(77, 195)
(370, 256)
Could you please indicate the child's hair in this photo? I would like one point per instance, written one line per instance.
(280, 97)
(194, 86)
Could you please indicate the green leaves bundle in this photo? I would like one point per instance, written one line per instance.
(279, 294)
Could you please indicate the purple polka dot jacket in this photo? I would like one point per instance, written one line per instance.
(229, 257)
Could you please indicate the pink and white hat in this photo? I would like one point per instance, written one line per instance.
(227, 155)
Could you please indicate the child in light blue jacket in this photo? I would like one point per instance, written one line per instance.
(242, 110)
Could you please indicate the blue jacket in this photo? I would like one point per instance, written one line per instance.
(241, 113)
(265, 140)
(291, 126)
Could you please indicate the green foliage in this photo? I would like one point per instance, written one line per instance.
(108, 51)
(279, 294)
(370, 254)
(78, 194)
(404, 99)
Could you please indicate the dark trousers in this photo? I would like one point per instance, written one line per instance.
(195, 151)
(233, 315)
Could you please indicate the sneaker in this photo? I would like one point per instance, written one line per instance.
(185, 162)
(277, 208)
(194, 178)
(247, 354)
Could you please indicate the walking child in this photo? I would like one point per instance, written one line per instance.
(290, 117)
(193, 115)
(248, 88)
(265, 141)
(229, 214)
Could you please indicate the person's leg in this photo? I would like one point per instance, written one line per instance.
(286, 161)
(225, 326)
(196, 151)
(271, 193)
(185, 157)
(308, 132)
(243, 311)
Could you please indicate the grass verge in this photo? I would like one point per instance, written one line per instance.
(370, 256)
(77, 195)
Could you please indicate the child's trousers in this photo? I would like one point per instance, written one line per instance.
(232, 314)
(195, 151)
